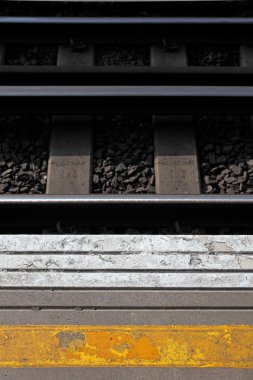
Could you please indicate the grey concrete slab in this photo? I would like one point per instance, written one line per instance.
(69, 162)
(176, 163)
(67, 56)
(69, 165)
(126, 317)
(111, 299)
(148, 373)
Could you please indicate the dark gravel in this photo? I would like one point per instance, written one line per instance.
(187, 9)
(211, 55)
(122, 55)
(225, 147)
(123, 156)
(32, 55)
(174, 228)
(24, 146)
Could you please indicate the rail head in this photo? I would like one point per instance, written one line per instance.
(107, 210)
(126, 29)
(127, 99)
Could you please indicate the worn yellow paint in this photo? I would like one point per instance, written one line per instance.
(170, 346)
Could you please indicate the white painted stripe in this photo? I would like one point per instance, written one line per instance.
(122, 261)
(126, 261)
(116, 1)
(126, 280)
(119, 1)
(121, 243)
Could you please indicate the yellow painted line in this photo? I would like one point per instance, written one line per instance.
(169, 346)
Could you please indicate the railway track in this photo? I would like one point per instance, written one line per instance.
(178, 302)
(167, 86)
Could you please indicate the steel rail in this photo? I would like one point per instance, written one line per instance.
(116, 1)
(126, 29)
(108, 75)
(123, 210)
(126, 99)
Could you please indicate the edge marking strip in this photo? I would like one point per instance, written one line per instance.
(127, 346)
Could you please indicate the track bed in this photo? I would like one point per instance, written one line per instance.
(111, 305)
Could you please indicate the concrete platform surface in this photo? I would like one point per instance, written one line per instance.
(126, 306)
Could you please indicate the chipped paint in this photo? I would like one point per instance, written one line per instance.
(126, 280)
(245, 262)
(116, 243)
(169, 346)
(218, 246)
(123, 261)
